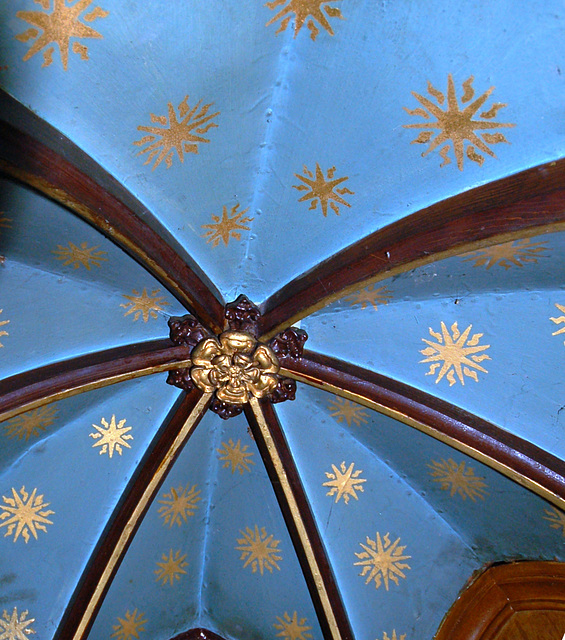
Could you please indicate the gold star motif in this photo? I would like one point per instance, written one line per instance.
(341, 410)
(292, 628)
(321, 191)
(31, 423)
(558, 320)
(181, 135)
(178, 504)
(458, 479)
(236, 456)
(382, 560)
(457, 125)
(505, 255)
(25, 514)
(143, 304)
(58, 27)
(76, 256)
(302, 9)
(259, 550)
(344, 483)
(111, 436)
(226, 227)
(16, 626)
(3, 323)
(4, 221)
(171, 568)
(394, 636)
(457, 352)
(370, 296)
(130, 626)
(556, 518)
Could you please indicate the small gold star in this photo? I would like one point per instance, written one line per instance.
(292, 628)
(171, 568)
(557, 320)
(76, 256)
(341, 410)
(557, 519)
(30, 423)
(394, 636)
(382, 560)
(259, 550)
(26, 513)
(16, 626)
(369, 296)
(58, 27)
(236, 456)
(130, 626)
(458, 479)
(111, 436)
(344, 483)
(178, 504)
(302, 9)
(226, 227)
(321, 191)
(505, 255)
(4, 221)
(144, 304)
(3, 323)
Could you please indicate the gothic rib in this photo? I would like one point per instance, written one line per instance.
(128, 514)
(52, 164)
(292, 499)
(36, 387)
(516, 458)
(524, 204)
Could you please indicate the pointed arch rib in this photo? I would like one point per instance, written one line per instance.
(516, 458)
(525, 204)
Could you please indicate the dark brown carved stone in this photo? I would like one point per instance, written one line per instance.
(180, 378)
(243, 315)
(285, 390)
(225, 410)
(289, 343)
(186, 330)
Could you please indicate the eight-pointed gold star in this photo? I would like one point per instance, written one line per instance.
(178, 504)
(458, 479)
(342, 409)
(393, 636)
(557, 519)
(292, 628)
(24, 513)
(111, 436)
(505, 255)
(30, 423)
(76, 256)
(344, 483)
(301, 10)
(58, 27)
(16, 626)
(181, 135)
(235, 456)
(171, 568)
(321, 190)
(143, 304)
(3, 323)
(130, 626)
(456, 124)
(557, 320)
(382, 560)
(259, 550)
(369, 296)
(226, 227)
(457, 353)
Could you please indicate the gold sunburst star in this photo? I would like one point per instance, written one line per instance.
(505, 255)
(393, 636)
(226, 227)
(111, 436)
(171, 568)
(557, 320)
(369, 296)
(259, 550)
(3, 323)
(382, 560)
(457, 352)
(301, 10)
(556, 518)
(456, 124)
(16, 626)
(235, 456)
(458, 479)
(29, 424)
(24, 513)
(178, 504)
(182, 134)
(144, 305)
(130, 626)
(5, 221)
(342, 409)
(58, 27)
(83, 255)
(344, 483)
(322, 191)
(292, 628)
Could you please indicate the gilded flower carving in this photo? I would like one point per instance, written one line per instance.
(235, 366)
